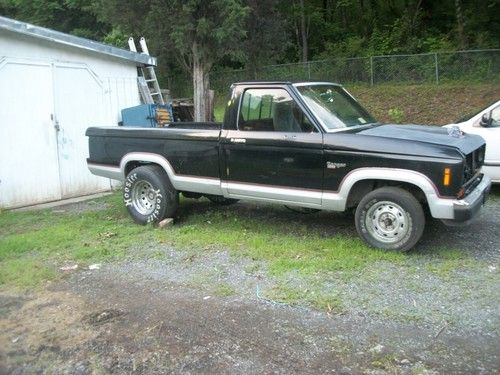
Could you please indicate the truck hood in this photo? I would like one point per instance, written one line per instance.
(421, 140)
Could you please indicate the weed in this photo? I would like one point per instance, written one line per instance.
(224, 290)
(396, 115)
(386, 362)
(252, 268)
(285, 294)
(329, 302)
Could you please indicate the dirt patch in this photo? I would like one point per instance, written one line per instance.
(40, 328)
(101, 317)
(107, 321)
(82, 207)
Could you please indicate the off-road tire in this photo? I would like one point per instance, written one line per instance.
(390, 218)
(149, 195)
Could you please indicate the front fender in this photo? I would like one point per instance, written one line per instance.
(337, 200)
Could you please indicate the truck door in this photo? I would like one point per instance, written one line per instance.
(275, 153)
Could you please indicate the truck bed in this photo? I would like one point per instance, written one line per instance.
(191, 148)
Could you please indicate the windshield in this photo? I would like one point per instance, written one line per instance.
(334, 107)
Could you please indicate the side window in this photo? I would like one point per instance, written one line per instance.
(272, 110)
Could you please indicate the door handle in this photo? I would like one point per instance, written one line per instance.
(56, 122)
(238, 140)
(286, 136)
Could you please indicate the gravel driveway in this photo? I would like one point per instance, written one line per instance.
(177, 311)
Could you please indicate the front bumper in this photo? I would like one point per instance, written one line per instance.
(465, 209)
(455, 211)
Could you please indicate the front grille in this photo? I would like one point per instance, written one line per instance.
(473, 162)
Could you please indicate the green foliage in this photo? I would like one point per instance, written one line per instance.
(215, 26)
(251, 34)
(396, 115)
(116, 37)
(70, 16)
(437, 43)
(266, 38)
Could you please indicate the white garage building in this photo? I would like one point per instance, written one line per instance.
(52, 87)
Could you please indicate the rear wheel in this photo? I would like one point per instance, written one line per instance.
(148, 195)
(390, 218)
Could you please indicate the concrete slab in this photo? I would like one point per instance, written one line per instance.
(62, 202)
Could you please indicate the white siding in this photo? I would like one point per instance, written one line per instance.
(44, 84)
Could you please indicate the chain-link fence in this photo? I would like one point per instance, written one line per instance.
(439, 67)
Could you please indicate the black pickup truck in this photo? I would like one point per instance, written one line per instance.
(309, 145)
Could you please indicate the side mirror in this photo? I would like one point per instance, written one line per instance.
(485, 120)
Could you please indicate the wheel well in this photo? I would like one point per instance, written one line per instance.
(135, 163)
(363, 187)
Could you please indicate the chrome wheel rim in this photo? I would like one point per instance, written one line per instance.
(387, 222)
(144, 197)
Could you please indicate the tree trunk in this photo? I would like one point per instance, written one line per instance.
(303, 32)
(208, 96)
(414, 19)
(460, 24)
(199, 85)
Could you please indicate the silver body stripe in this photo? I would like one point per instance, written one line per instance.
(295, 197)
(106, 171)
(441, 208)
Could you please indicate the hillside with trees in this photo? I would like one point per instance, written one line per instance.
(195, 37)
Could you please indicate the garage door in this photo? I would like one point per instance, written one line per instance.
(79, 103)
(29, 170)
(45, 110)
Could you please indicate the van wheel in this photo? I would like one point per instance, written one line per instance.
(390, 218)
(148, 195)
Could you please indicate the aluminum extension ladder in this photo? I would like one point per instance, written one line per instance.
(148, 83)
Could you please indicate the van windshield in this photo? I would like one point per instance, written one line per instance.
(334, 107)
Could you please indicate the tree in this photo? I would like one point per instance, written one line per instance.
(304, 32)
(129, 16)
(193, 37)
(267, 35)
(70, 16)
(202, 32)
(460, 24)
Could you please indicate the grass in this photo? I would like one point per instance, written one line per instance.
(283, 244)
(309, 294)
(35, 244)
(224, 290)
(428, 103)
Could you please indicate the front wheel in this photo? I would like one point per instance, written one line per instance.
(390, 218)
(148, 195)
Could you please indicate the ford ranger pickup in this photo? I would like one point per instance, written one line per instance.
(309, 145)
